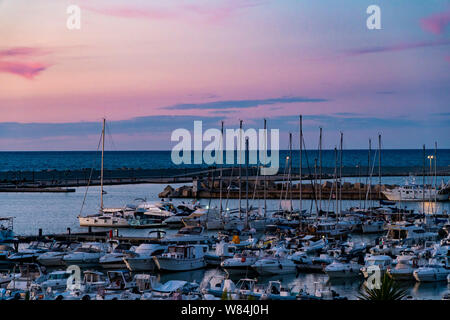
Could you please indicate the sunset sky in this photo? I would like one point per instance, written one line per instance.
(152, 66)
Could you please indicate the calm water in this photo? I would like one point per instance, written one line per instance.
(74, 160)
(54, 213)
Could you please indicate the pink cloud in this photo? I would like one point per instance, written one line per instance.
(24, 69)
(436, 23)
(208, 13)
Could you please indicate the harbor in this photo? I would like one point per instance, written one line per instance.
(282, 237)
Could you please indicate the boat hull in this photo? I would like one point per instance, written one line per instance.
(169, 264)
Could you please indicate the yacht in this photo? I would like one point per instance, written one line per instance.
(31, 253)
(373, 226)
(342, 270)
(413, 192)
(240, 262)
(142, 260)
(182, 258)
(87, 255)
(408, 233)
(187, 235)
(404, 268)
(274, 264)
(436, 270)
(115, 259)
(106, 218)
(223, 251)
(54, 257)
(380, 262)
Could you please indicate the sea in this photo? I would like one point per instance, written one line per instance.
(77, 160)
(56, 212)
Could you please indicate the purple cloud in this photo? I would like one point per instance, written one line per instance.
(28, 70)
(398, 47)
(436, 23)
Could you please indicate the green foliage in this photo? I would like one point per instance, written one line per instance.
(388, 290)
(224, 295)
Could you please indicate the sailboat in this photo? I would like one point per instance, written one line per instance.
(110, 218)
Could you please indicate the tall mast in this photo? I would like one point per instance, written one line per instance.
(336, 179)
(265, 159)
(320, 170)
(340, 173)
(359, 180)
(379, 166)
(101, 173)
(423, 181)
(315, 186)
(246, 183)
(221, 171)
(301, 164)
(290, 173)
(435, 175)
(240, 166)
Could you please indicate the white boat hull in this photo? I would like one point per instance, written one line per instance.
(140, 264)
(170, 264)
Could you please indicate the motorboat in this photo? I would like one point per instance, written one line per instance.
(218, 286)
(274, 264)
(56, 281)
(142, 259)
(412, 192)
(373, 226)
(174, 290)
(120, 280)
(31, 253)
(376, 263)
(408, 233)
(274, 290)
(115, 259)
(54, 257)
(30, 273)
(187, 235)
(87, 255)
(240, 262)
(223, 251)
(92, 282)
(436, 270)
(404, 269)
(342, 270)
(182, 258)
